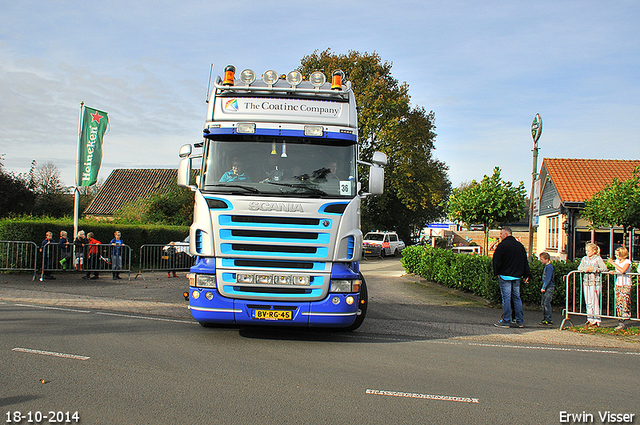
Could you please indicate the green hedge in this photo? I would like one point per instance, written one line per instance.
(134, 235)
(474, 273)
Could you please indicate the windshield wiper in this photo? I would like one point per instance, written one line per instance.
(301, 186)
(247, 188)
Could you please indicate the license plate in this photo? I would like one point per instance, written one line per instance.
(274, 315)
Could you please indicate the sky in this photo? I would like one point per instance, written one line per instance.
(484, 68)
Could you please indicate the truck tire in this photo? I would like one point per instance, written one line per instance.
(364, 296)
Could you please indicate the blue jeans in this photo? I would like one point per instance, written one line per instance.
(510, 290)
(116, 262)
(546, 303)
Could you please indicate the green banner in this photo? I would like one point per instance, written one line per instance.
(94, 124)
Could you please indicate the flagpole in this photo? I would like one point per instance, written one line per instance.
(76, 193)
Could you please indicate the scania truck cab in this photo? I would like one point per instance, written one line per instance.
(276, 227)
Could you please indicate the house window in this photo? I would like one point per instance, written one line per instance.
(553, 232)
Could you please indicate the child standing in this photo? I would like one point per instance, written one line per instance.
(623, 285)
(79, 243)
(116, 254)
(93, 260)
(548, 285)
(48, 252)
(66, 250)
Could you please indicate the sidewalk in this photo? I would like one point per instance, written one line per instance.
(151, 293)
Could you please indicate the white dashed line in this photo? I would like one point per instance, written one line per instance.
(159, 319)
(53, 308)
(423, 396)
(581, 350)
(51, 353)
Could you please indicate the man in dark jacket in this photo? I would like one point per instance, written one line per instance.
(510, 264)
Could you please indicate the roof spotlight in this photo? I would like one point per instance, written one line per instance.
(247, 76)
(317, 79)
(270, 77)
(294, 78)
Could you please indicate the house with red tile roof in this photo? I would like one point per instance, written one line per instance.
(564, 185)
(128, 185)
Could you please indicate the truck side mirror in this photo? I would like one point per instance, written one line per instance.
(184, 168)
(379, 159)
(376, 173)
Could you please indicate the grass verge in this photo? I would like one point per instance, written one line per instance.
(630, 333)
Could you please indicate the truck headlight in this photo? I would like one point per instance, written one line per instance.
(205, 281)
(341, 285)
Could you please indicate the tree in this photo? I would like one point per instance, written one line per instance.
(617, 204)
(53, 198)
(490, 202)
(415, 182)
(174, 206)
(15, 196)
(47, 179)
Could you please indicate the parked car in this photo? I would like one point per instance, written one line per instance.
(381, 244)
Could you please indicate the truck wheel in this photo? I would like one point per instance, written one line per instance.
(396, 252)
(363, 304)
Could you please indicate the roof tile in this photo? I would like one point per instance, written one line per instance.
(127, 185)
(576, 180)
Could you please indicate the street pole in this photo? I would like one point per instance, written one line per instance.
(536, 131)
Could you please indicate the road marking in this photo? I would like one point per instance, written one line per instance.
(53, 308)
(423, 396)
(130, 316)
(159, 319)
(581, 350)
(51, 353)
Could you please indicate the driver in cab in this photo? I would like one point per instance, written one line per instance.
(235, 174)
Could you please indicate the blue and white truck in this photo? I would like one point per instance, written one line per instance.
(276, 227)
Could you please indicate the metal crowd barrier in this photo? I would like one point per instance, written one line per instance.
(575, 304)
(169, 258)
(19, 255)
(96, 258)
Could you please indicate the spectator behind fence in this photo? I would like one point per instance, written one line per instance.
(66, 250)
(593, 267)
(79, 244)
(116, 254)
(510, 264)
(93, 259)
(622, 266)
(48, 254)
(172, 253)
(548, 286)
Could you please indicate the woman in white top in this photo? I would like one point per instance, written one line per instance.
(623, 285)
(592, 266)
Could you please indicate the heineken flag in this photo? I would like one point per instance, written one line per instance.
(94, 124)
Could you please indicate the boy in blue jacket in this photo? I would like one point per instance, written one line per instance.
(547, 288)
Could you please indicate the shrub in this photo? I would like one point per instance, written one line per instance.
(474, 273)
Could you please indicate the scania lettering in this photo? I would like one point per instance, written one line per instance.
(276, 227)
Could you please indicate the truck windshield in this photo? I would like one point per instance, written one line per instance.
(374, 237)
(274, 166)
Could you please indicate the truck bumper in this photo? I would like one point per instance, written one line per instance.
(333, 311)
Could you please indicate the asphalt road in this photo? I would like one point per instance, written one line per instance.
(121, 352)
